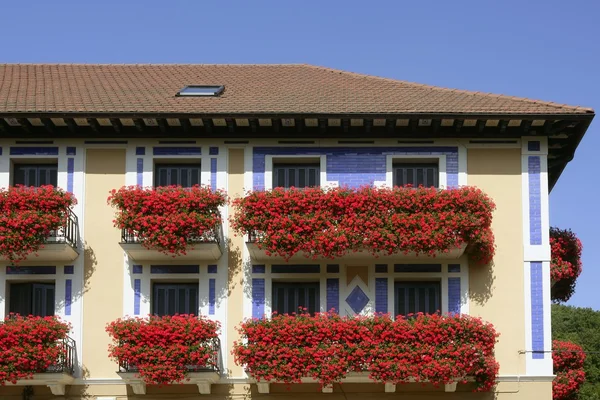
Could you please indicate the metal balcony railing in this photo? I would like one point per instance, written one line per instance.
(67, 358)
(215, 359)
(69, 233)
(212, 236)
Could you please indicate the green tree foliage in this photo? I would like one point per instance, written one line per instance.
(581, 326)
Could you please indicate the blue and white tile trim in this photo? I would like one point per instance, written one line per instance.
(537, 310)
(357, 166)
(537, 255)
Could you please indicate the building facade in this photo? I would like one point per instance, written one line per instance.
(91, 129)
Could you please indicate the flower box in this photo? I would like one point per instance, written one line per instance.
(37, 224)
(327, 348)
(565, 266)
(166, 222)
(367, 222)
(36, 351)
(166, 350)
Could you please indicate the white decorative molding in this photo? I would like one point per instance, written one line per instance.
(203, 380)
(55, 381)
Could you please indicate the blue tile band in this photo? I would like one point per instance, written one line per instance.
(213, 173)
(174, 269)
(68, 296)
(71, 151)
(333, 294)
(137, 295)
(213, 151)
(417, 267)
(258, 298)
(140, 151)
(42, 270)
(211, 269)
(137, 269)
(537, 310)
(177, 151)
(211, 296)
(34, 151)
(68, 269)
(70, 173)
(454, 295)
(140, 172)
(535, 201)
(381, 295)
(533, 145)
(295, 269)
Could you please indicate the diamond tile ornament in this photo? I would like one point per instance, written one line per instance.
(357, 299)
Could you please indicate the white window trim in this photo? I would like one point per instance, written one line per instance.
(389, 167)
(345, 289)
(59, 280)
(269, 167)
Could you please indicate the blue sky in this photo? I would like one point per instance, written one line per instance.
(546, 50)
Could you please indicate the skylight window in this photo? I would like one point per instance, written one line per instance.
(201, 90)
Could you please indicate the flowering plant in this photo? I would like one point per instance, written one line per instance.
(168, 218)
(28, 217)
(568, 359)
(162, 349)
(426, 348)
(329, 223)
(565, 266)
(29, 345)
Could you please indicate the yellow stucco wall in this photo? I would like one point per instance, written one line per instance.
(235, 188)
(496, 290)
(103, 297)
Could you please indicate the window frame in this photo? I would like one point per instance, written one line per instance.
(170, 163)
(295, 166)
(16, 164)
(437, 283)
(415, 159)
(406, 165)
(189, 284)
(315, 284)
(33, 285)
(272, 159)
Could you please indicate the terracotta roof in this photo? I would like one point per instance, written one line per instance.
(249, 89)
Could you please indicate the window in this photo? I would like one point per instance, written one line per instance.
(416, 174)
(415, 297)
(201, 90)
(288, 297)
(296, 175)
(185, 175)
(175, 298)
(35, 174)
(32, 299)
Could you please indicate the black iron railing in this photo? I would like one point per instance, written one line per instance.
(214, 363)
(68, 233)
(67, 358)
(212, 236)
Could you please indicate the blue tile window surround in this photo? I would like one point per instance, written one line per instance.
(354, 166)
(333, 294)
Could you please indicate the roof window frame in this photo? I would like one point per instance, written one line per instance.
(217, 91)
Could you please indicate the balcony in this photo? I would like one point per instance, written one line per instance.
(304, 348)
(363, 255)
(57, 376)
(204, 248)
(201, 376)
(61, 245)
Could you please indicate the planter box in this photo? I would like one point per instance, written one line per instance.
(261, 256)
(204, 380)
(353, 377)
(55, 381)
